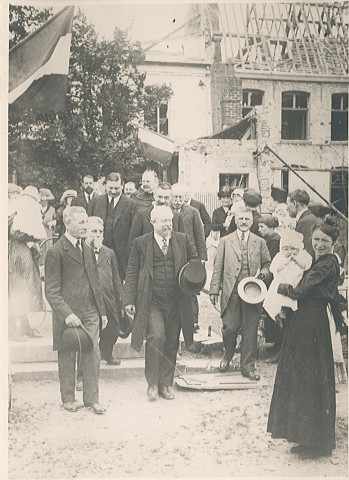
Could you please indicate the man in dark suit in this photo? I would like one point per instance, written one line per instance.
(153, 296)
(73, 291)
(205, 217)
(112, 289)
(144, 196)
(87, 194)
(141, 222)
(220, 214)
(193, 227)
(240, 255)
(117, 212)
(298, 202)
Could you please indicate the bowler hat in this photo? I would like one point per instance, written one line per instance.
(278, 194)
(252, 198)
(252, 290)
(125, 326)
(77, 339)
(192, 277)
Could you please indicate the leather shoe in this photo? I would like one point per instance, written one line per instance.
(79, 386)
(166, 393)
(224, 365)
(309, 452)
(96, 408)
(152, 393)
(113, 361)
(251, 375)
(70, 406)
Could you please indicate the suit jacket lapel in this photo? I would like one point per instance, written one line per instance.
(184, 210)
(251, 245)
(118, 210)
(73, 252)
(101, 256)
(177, 253)
(148, 252)
(236, 244)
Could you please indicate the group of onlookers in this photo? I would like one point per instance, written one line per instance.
(120, 259)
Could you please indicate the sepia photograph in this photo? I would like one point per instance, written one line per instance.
(176, 278)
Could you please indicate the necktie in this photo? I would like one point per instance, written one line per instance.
(164, 246)
(243, 236)
(96, 254)
(78, 245)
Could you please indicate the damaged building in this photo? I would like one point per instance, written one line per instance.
(253, 84)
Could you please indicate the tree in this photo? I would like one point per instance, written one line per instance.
(97, 132)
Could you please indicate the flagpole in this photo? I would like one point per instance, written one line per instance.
(50, 20)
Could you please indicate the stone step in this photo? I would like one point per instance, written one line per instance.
(129, 368)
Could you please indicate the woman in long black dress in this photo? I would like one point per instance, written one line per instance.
(303, 406)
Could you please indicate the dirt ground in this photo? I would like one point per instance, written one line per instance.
(199, 434)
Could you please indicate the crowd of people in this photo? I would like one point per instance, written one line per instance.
(131, 261)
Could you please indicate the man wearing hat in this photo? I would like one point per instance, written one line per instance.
(298, 202)
(65, 201)
(87, 194)
(74, 293)
(240, 255)
(220, 214)
(154, 297)
(251, 199)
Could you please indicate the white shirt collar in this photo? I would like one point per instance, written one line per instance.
(300, 213)
(87, 196)
(159, 240)
(71, 239)
(239, 232)
(115, 199)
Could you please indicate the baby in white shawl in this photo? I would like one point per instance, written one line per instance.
(288, 267)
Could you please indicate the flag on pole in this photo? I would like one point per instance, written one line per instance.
(155, 146)
(39, 65)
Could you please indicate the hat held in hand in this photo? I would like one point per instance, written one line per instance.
(192, 277)
(252, 290)
(77, 339)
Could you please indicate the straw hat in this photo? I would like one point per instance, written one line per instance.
(252, 290)
(46, 194)
(68, 193)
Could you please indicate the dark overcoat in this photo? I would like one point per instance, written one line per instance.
(193, 227)
(122, 221)
(219, 216)
(112, 289)
(139, 284)
(80, 200)
(204, 215)
(303, 405)
(65, 287)
(304, 226)
(141, 224)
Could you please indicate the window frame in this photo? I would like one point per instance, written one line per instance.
(294, 108)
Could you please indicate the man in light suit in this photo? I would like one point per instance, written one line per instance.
(153, 295)
(117, 212)
(194, 228)
(87, 194)
(73, 291)
(240, 254)
(297, 203)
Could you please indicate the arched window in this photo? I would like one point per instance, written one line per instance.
(294, 117)
(339, 117)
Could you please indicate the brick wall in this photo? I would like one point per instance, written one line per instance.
(226, 96)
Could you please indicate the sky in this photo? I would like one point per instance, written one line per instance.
(146, 21)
